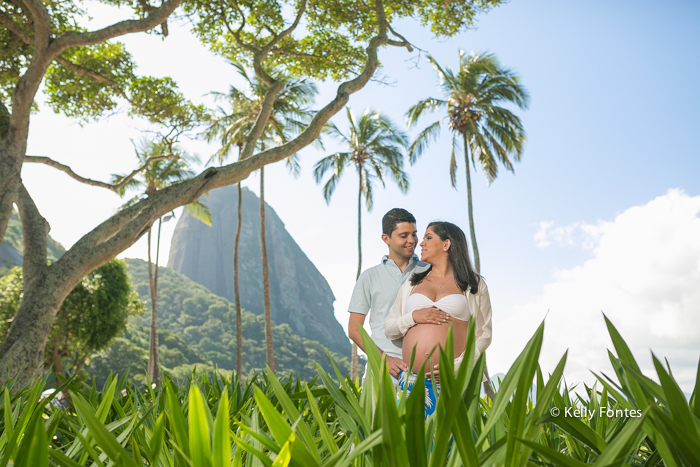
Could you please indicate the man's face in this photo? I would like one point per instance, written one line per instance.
(403, 240)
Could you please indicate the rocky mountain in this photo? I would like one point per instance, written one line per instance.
(300, 295)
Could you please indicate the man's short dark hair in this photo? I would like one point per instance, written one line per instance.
(394, 217)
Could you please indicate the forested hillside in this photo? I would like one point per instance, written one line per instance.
(198, 328)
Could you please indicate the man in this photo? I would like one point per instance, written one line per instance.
(376, 288)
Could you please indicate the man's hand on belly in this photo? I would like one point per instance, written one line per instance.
(395, 365)
(434, 375)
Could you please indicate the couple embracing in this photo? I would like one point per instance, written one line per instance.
(413, 302)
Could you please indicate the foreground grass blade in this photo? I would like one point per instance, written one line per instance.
(200, 449)
(285, 454)
(222, 438)
(99, 433)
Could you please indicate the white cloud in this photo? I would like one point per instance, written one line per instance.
(644, 274)
(578, 233)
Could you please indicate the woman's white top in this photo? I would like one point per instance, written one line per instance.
(479, 309)
(455, 305)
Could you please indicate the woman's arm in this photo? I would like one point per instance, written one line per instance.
(398, 324)
(483, 320)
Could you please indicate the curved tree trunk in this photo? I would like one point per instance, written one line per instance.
(477, 263)
(236, 291)
(22, 351)
(266, 276)
(153, 356)
(354, 363)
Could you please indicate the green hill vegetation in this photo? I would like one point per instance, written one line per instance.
(197, 328)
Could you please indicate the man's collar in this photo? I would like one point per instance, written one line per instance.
(413, 258)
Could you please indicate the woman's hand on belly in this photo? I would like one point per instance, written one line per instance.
(432, 315)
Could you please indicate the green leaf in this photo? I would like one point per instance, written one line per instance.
(281, 430)
(200, 449)
(622, 444)
(293, 414)
(222, 438)
(98, 431)
(157, 439)
(285, 454)
(556, 457)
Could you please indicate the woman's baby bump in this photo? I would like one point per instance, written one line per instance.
(426, 337)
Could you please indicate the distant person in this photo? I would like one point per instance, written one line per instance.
(448, 293)
(376, 288)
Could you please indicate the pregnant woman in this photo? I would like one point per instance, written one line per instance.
(449, 293)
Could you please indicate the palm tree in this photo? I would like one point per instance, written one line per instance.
(375, 150)
(156, 176)
(489, 133)
(289, 116)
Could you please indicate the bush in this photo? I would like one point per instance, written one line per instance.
(216, 420)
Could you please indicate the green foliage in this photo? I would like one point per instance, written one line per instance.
(331, 42)
(285, 421)
(290, 114)
(374, 149)
(471, 98)
(90, 317)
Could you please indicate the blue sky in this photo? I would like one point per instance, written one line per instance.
(612, 127)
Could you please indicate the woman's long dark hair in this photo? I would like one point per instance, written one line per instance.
(458, 255)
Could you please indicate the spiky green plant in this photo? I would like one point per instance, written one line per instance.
(273, 422)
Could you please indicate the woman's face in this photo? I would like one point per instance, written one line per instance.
(432, 248)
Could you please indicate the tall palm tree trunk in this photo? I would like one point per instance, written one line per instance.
(477, 264)
(153, 357)
(236, 291)
(354, 363)
(266, 276)
(487, 384)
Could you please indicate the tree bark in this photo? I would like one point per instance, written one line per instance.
(477, 264)
(354, 360)
(236, 290)
(22, 352)
(266, 277)
(153, 357)
(58, 368)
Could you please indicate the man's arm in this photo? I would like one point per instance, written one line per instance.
(358, 319)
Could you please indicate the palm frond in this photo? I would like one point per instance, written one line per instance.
(423, 140)
(453, 163)
(199, 211)
(416, 111)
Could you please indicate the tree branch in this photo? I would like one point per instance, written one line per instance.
(121, 230)
(289, 30)
(42, 23)
(75, 39)
(404, 42)
(35, 230)
(237, 34)
(285, 51)
(148, 8)
(96, 76)
(15, 29)
(115, 187)
(263, 117)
